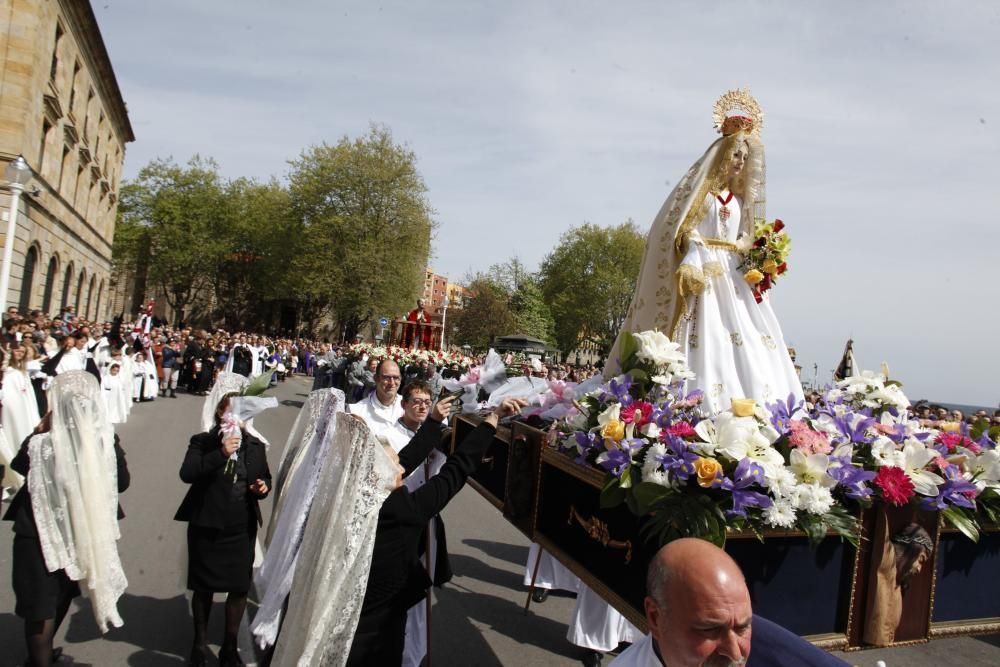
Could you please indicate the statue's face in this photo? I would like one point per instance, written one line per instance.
(420, 304)
(918, 564)
(738, 160)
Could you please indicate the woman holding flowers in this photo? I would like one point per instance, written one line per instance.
(228, 474)
(694, 284)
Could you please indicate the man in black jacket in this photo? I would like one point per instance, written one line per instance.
(397, 580)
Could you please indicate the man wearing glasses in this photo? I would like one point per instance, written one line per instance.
(382, 408)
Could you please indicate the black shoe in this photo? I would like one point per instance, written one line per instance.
(592, 659)
(56, 654)
(229, 656)
(199, 656)
(173, 394)
(540, 595)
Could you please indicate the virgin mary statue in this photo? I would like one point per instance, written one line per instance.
(691, 286)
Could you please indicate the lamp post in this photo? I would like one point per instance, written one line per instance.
(17, 175)
(444, 319)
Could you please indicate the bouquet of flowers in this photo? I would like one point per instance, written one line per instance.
(767, 257)
(404, 356)
(781, 466)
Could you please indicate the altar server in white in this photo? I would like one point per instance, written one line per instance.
(116, 400)
(383, 407)
(145, 385)
(20, 409)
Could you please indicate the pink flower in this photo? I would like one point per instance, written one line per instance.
(807, 440)
(638, 413)
(896, 487)
(682, 430)
(950, 440)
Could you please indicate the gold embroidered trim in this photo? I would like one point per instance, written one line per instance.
(690, 280)
(721, 245)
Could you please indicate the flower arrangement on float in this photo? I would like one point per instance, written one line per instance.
(404, 356)
(767, 257)
(780, 466)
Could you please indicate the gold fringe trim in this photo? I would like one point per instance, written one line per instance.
(712, 270)
(690, 280)
(721, 245)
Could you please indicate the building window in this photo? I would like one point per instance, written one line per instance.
(54, 67)
(97, 307)
(79, 291)
(28, 279)
(46, 130)
(67, 281)
(90, 296)
(72, 85)
(50, 283)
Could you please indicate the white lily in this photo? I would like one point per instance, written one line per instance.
(740, 438)
(811, 468)
(613, 413)
(915, 457)
(986, 468)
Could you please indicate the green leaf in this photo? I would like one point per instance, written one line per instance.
(612, 495)
(648, 495)
(962, 521)
(628, 349)
(258, 385)
(626, 478)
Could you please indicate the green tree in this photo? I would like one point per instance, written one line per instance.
(485, 315)
(366, 227)
(170, 224)
(532, 315)
(588, 280)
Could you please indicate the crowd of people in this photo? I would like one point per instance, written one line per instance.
(372, 431)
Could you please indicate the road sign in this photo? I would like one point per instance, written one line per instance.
(383, 322)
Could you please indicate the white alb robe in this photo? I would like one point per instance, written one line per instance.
(20, 408)
(597, 625)
(380, 418)
(73, 359)
(145, 385)
(116, 402)
(415, 647)
(639, 654)
(733, 344)
(552, 575)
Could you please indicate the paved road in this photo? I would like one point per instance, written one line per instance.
(478, 618)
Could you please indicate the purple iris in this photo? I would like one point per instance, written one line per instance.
(619, 388)
(853, 479)
(783, 411)
(615, 461)
(858, 434)
(586, 442)
(678, 460)
(747, 473)
(956, 490)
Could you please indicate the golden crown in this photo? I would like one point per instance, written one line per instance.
(749, 117)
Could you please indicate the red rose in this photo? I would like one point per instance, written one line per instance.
(782, 267)
(896, 487)
(778, 225)
(760, 243)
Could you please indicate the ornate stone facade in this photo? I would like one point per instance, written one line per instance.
(62, 110)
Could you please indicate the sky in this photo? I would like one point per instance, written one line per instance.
(882, 136)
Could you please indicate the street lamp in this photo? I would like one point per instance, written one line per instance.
(444, 318)
(17, 174)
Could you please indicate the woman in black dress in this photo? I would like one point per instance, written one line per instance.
(222, 512)
(67, 535)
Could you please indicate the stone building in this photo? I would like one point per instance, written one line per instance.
(61, 109)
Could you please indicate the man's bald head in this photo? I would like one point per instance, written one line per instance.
(697, 605)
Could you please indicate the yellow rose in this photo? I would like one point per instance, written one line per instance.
(949, 427)
(770, 266)
(743, 407)
(753, 276)
(614, 430)
(707, 470)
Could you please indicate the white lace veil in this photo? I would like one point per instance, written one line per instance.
(300, 475)
(73, 480)
(331, 574)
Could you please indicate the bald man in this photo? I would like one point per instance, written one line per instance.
(699, 614)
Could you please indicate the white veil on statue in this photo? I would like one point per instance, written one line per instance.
(306, 452)
(73, 480)
(658, 301)
(331, 574)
